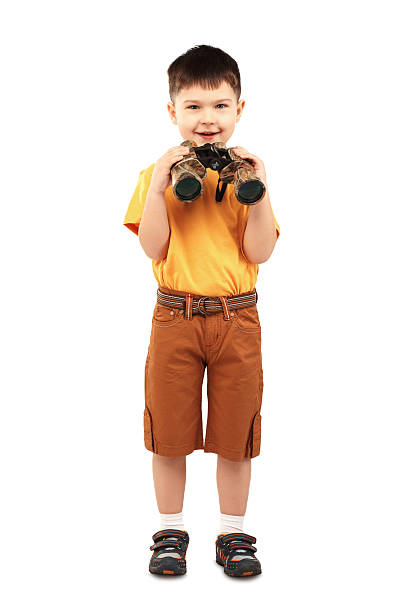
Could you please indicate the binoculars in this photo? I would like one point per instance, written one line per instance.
(187, 174)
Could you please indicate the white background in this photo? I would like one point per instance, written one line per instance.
(83, 110)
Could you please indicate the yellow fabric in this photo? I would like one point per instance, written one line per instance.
(205, 254)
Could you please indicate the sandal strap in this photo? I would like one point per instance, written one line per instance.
(242, 546)
(164, 533)
(166, 544)
(244, 537)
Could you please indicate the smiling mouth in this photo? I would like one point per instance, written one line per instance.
(207, 133)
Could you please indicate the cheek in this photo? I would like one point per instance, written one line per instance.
(188, 122)
(187, 125)
(228, 121)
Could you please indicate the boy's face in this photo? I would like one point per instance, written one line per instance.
(198, 110)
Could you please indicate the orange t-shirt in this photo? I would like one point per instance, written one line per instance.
(205, 254)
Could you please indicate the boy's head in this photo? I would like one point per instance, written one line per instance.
(205, 86)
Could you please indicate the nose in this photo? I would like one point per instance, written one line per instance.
(207, 117)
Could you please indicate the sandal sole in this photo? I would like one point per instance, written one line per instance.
(165, 572)
(254, 572)
(168, 568)
(236, 574)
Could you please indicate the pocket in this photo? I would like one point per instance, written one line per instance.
(148, 430)
(165, 316)
(247, 319)
(147, 417)
(256, 435)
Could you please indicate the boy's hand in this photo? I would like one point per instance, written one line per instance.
(161, 177)
(257, 163)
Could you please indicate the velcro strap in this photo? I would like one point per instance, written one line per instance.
(235, 545)
(165, 533)
(166, 544)
(244, 537)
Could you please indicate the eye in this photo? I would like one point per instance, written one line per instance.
(195, 105)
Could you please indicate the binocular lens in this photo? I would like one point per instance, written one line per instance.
(188, 189)
(250, 191)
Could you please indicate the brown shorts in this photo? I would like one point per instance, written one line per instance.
(179, 350)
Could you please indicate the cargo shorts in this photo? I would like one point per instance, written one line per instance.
(180, 349)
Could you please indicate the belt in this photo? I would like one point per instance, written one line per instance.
(205, 304)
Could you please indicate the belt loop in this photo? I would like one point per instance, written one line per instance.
(225, 307)
(189, 307)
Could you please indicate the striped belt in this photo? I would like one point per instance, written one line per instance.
(205, 304)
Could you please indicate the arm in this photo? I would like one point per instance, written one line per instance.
(260, 234)
(154, 230)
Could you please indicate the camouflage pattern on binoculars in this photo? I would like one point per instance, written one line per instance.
(187, 174)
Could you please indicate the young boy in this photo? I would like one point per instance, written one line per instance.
(212, 250)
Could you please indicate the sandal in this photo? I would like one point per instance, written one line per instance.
(235, 552)
(169, 552)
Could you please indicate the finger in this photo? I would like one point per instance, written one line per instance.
(251, 156)
(180, 152)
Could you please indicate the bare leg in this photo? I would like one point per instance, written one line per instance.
(169, 476)
(233, 479)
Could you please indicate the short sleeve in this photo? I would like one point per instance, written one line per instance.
(136, 204)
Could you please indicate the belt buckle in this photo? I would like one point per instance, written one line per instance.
(202, 299)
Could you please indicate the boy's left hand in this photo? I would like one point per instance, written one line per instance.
(257, 163)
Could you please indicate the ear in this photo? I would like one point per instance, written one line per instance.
(240, 108)
(172, 112)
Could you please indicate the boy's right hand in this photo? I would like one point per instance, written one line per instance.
(161, 176)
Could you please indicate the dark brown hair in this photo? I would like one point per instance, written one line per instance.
(205, 66)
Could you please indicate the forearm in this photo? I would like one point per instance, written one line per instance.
(154, 230)
(260, 234)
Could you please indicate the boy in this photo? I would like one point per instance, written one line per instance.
(203, 249)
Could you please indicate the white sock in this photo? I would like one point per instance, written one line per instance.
(172, 521)
(230, 523)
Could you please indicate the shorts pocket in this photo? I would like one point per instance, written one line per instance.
(148, 430)
(256, 435)
(165, 316)
(247, 319)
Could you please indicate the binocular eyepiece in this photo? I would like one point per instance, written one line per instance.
(187, 174)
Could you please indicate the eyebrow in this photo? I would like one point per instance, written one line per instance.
(222, 100)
